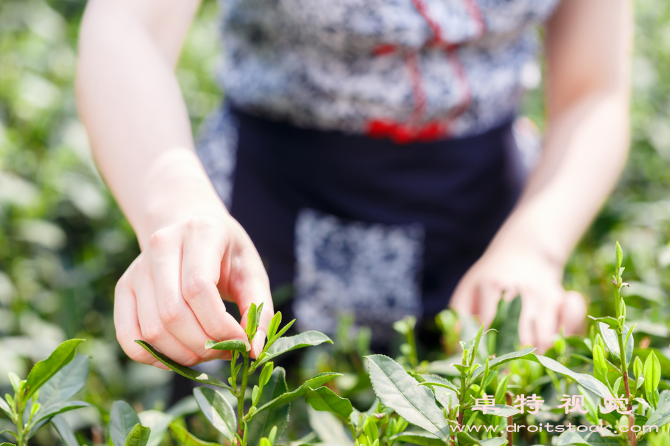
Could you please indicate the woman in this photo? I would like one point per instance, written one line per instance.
(365, 148)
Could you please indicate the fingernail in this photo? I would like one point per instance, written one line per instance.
(259, 342)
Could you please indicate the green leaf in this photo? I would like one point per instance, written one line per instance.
(402, 393)
(619, 257)
(607, 320)
(7, 431)
(274, 325)
(315, 382)
(465, 439)
(5, 407)
(421, 438)
(217, 410)
(611, 339)
(475, 345)
(230, 345)
(186, 438)
(66, 383)
(325, 400)
(508, 331)
(586, 381)
(571, 438)
(252, 320)
(283, 345)
(652, 373)
(329, 429)
(445, 392)
(45, 415)
(186, 372)
(7, 444)
(138, 436)
(661, 416)
(261, 424)
(122, 419)
(64, 430)
(44, 370)
(525, 354)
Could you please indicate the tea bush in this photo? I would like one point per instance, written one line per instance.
(489, 393)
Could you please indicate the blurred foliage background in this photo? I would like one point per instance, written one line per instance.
(64, 241)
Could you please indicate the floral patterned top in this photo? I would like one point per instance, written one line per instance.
(405, 69)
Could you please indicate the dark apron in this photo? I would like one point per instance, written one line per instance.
(366, 226)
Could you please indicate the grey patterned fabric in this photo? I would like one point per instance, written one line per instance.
(442, 67)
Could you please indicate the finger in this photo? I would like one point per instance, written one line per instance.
(463, 299)
(527, 321)
(165, 254)
(573, 313)
(487, 302)
(203, 252)
(546, 320)
(247, 283)
(127, 326)
(152, 328)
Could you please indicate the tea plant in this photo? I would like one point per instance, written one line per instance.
(443, 410)
(267, 417)
(45, 393)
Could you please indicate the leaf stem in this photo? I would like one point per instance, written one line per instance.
(240, 397)
(624, 373)
(20, 441)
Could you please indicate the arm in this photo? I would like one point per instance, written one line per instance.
(193, 252)
(588, 46)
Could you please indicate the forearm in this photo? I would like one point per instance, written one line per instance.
(584, 152)
(131, 105)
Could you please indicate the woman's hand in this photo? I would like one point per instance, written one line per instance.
(546, 305)
(588, 47)
(171, 295)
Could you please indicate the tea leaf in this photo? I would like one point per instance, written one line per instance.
(7, 431)
(261, 424)
(325, 400)
(217, 410)
(402, 393)
(230, 345)
(5, 407)
(66, 383)
(611, 339)
(186, 438)
(265, 374)
(445, 392)
(608, 320)
(571, 438)
(7, 444)
(64, 430)
(315, 382)
(45, 415)
(274, 324)
(122, 419)
(465, 439)
(421, 438)
(184, 371)
(619, 257)
(508, 331)
(138, 436)
(284, 345)
(652, 373)
(586, 381)
(525, 354)
(44, 370)
(661, 416)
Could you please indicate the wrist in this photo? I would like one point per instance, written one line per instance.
(176, 188)
(527, 234)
